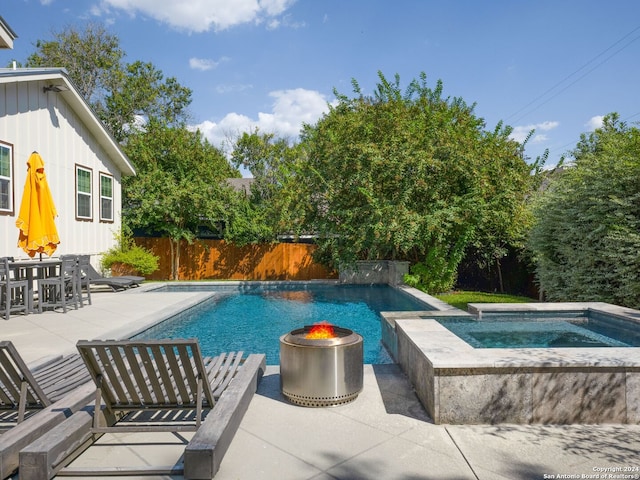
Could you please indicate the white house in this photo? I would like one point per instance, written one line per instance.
(41, 110)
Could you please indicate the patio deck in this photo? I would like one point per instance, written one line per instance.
(384, 434)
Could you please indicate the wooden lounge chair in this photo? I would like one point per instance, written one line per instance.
(116, 283)
(33, 401)
(23, 392)
(139, 382)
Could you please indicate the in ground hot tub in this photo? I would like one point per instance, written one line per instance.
(321, 370)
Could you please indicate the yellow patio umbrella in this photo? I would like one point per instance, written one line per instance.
(38, 232)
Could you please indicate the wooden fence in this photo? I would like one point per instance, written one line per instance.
(218, 260)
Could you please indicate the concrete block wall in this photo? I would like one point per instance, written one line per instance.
(375, 272)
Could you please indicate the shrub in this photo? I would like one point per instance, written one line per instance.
(128, 253)
(138, 258)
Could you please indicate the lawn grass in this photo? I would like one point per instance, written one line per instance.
(461, 298)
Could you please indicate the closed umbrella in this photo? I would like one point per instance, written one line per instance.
(38, 232)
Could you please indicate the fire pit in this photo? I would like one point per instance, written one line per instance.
(321, 365)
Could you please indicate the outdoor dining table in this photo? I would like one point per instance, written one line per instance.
(32, 270)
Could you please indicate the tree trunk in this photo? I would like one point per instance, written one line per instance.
(177, 271)
(499, 275)
(172, 258)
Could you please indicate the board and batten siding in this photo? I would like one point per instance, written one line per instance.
(34, 120)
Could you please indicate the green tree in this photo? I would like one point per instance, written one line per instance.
(273, 207)
(142, 94)
(409, 175)
(123, 95)
(180, 185)
(92, 57)
(586, 236)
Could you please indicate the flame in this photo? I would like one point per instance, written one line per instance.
(321, 330)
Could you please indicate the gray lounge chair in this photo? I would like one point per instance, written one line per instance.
(34, 401)
(140, 382)
(116, 283)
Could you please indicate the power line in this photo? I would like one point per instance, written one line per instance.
(575, 142)
(574, 73)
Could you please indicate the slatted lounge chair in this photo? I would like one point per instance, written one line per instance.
(139, 382)
(34, 401)
(116, 283)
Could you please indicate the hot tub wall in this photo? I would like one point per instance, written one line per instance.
(461, 385)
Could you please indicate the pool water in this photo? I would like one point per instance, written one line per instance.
(254, 319)
(516, 332)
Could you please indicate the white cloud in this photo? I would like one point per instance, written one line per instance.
(520, 133)
(204, 64)
(203, 15)
(291, 109)
(594, 122)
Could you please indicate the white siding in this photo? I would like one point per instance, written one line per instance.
(32, 120)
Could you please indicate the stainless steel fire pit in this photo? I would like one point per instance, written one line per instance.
(321, 372)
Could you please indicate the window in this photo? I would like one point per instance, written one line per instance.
(6, 179)
(106, 198)
(83, 194)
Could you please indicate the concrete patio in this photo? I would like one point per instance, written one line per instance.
(384, 434)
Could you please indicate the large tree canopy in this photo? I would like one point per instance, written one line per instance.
(91, 56)
(410, 175)
(586, 237)
(273, 207)
(122, 94)
(180, 187)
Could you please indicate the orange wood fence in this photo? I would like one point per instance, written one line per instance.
(219, 260)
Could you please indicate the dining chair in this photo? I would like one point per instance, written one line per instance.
(60, 290)
(84, 279)
(13, 291)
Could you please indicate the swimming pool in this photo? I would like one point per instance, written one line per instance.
(546, 331)
(252, 317)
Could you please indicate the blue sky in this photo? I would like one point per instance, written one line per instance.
(554, 65)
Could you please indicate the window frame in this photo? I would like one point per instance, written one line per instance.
(103, 219)
(78, 193)
(12, 180)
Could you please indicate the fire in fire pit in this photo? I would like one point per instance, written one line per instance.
(321, 365)
(321, 330)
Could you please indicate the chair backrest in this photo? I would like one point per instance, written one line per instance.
(142, 374)
(84, 262)
(6, 275)
(4, 269)
(69, 265)
(16, 379)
